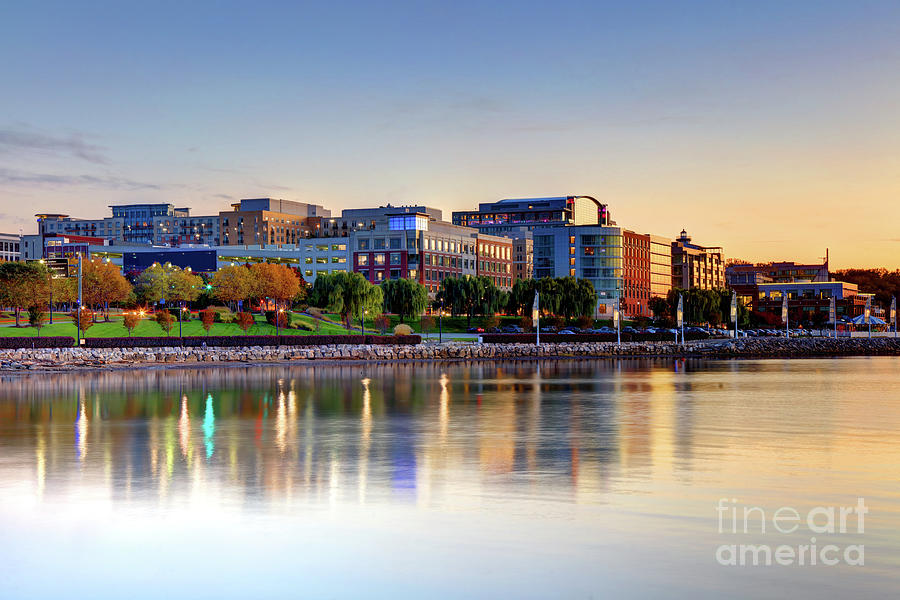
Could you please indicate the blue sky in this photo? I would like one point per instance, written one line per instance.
(764, 127)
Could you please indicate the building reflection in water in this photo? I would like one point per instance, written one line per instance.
(433, 434)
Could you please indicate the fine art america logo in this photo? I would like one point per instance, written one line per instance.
(827, 522)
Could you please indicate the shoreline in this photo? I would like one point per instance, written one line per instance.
(57, 360)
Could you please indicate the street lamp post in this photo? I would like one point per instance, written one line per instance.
(78, 308)
(441, 323)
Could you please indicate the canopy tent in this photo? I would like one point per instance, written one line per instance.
(861, 320)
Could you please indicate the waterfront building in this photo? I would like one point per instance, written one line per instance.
(660, 266)
(161, 224)
(268, 221)
(518, 215)
(636, 274)
(10, 247)
(523, 257)
(695, 266)
(592, 252)
(413, 245)
(777, 272)
(311, 258)
(746, 280)
(138, 220)
(186, 229)
(811, 297)
(55, 224)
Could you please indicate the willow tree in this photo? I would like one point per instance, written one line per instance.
(404, 297)
(348, 294)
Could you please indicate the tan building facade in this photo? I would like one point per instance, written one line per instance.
(695, 266)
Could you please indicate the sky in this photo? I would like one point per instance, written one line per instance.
(770, 128)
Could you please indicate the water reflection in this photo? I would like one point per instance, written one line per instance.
(597, 450)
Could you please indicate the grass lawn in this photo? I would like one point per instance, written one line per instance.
(149, 328)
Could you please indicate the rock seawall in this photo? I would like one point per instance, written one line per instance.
(59, 359)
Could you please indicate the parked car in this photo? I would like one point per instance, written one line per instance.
(512, 329)
(475, 330)
(548, 329)
(566, 332)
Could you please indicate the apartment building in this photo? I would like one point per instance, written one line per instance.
(695, 266)
(269, 221)
(591, 252)
(10, 247)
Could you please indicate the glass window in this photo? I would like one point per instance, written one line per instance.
(362, 259)
(379, 259)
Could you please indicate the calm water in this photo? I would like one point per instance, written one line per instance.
(505, 480)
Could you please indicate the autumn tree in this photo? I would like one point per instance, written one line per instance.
(207, 318)
(102, 284)
(23, 285)
(245, 321)
(165, 320)
(231, 284)
(83, 318)
(130, 321)
(277, 282)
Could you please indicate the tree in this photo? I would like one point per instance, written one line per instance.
(102, 284)
(277, 282)
(382, 323)
(23, 285)
(165, 320)
(659, 307)
(36, 317)
(348, 294)
(83, 318)
(170, 283)
(231, 284)
(207, 318)
(65, 289)
(404, 297)
(426, 323)
(245, 321)
(130, 321)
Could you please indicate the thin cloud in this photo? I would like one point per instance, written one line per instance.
(12, 140)
(112, 182)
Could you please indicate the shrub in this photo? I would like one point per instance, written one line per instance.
(491, 322)
(382, 323)
(207, 318)
(314, 312)
(427, 323)
(584, 322)
(182, 314)
(284, 319)
(14, 343)
(402, 329)
(304, 326)
(232, 341)
(165, 320)
(222, 314)
(245, 321)
(529, 338)
(526, 322)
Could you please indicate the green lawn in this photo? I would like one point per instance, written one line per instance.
(149, 328)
